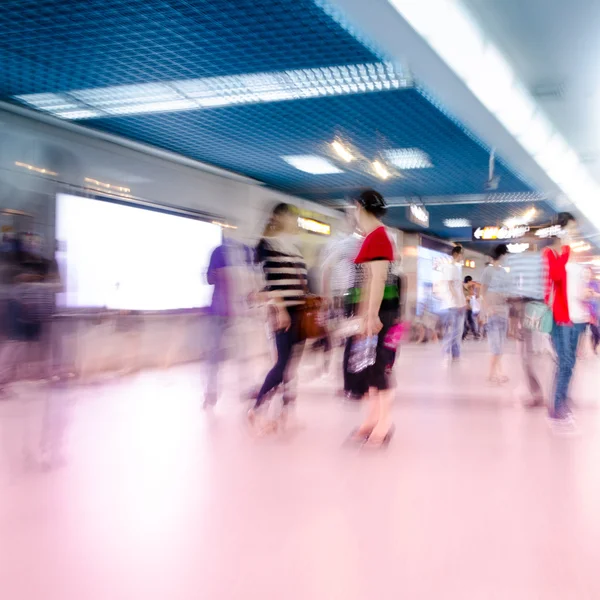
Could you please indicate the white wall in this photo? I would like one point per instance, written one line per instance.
(74, 155)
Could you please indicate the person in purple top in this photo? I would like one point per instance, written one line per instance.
(230, 274)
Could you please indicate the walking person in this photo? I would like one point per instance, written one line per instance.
(566, 292)
(453, 303)
(285, 294)
(495, 285)
(378, 308)
(230, 275)
(527, 280)
(338, 276)
(470, 324)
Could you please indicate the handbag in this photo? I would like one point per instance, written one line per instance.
(538, 317)
(310, 322)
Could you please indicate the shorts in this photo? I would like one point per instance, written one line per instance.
(497, 328)
(379, 375)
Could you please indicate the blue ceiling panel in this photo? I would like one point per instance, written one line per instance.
(61, 45)
(253, 138)
(65, 45)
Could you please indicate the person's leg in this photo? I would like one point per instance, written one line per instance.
(448, 332)
(595, 336)
(458, 322)
(527, 358)
(575, 332)
(216, 331)
(560, 340)
(284, 345)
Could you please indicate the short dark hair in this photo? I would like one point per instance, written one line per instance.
(456, 251)
(564, 218)
(499, 251)
(468, 279)
(373, 202)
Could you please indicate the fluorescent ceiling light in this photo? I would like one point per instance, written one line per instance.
(342, 151)
(211, 92)
(310, 163)
(380, 170)
(583, 248)
(408, 158)
(463, 45)
(523, 219)
(456, 223)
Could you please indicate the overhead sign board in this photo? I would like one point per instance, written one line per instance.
(491, 233)
(418, 214)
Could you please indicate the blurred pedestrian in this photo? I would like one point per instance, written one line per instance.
(229, 272)
(378, 308)
(470, 323)
(285, 289)
(453, 304)
(527, 280)
(338, 276)
(565, 293)
(495, 286)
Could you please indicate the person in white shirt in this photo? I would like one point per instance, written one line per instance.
(453, 304)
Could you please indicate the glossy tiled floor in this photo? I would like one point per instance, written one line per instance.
(474, 499)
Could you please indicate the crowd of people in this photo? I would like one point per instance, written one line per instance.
(542, 294)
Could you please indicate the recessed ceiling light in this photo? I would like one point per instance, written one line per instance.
(230, 90)
(380, 170)
(342, 151)
(524, 219)
(310, 163)
(456, 223)
(408, 158)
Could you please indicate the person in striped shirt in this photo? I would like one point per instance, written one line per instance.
(285, 289)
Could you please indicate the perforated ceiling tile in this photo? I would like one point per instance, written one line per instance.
(53, 46)
(252, 139)
(57, 45)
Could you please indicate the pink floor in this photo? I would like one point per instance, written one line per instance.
(474, 499)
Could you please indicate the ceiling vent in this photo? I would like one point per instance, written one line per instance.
(549, 91)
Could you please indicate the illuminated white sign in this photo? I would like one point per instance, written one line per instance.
(547, 232)
(418, 214)
(314, 226)
(500, 233)
(517, 248)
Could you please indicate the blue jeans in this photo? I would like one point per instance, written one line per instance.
(565, 339)
(454, 321)
(497, 330)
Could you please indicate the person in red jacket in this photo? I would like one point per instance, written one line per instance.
(562, 296)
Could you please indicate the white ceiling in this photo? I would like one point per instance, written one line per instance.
(553, 45)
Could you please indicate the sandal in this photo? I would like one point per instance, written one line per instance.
(383, 442)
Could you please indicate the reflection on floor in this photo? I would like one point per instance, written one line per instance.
(474, 499)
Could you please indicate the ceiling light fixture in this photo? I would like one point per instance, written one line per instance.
(456, 223)
(342, 151)
(34, 169)
(310, 163)
(457, 39)
(380, 170)
(583, 248)
(107, 186)
(408, 158)
(212, 92)
(524, 219)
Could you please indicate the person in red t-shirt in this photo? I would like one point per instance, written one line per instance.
(378, 308)
(565, 333)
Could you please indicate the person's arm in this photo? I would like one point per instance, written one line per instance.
(214, 265)
(378, 271)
